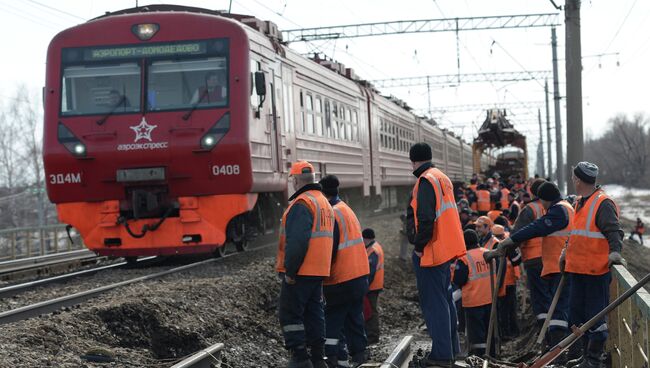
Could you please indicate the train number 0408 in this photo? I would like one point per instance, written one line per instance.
(225, 170)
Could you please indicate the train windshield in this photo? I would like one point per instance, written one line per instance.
(93, 90)
(183, 84)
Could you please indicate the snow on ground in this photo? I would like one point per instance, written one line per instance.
(633, 202)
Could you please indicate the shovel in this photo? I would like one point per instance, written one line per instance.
(542, 333)
(493, 309)
(576, 333)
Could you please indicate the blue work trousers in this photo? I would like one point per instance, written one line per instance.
(540, 291)
(436, 302)
(345, 326)
(302, 317)
(478, 320)
(589, 295)
(560, 318)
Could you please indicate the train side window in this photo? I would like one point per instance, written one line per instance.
(303, 121)
(335, 121)
(310, 114)
(318, 113)
(328, 119)
(355, 126)
(348, 123)
(255, 99)
(342, 123)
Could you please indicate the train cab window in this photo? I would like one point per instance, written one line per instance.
(94, 90)
(183, 84)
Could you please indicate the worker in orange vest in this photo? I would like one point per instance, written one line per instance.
(438, 240)
(346, 286)
(504, 200)
(507, 304)
(594, 246)
(375, 254)
(554, 228)
(303, 261)
(639, 230)
(472, 276)
(483, 200)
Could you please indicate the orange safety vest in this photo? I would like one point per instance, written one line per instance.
(483, 200)
(378, 281)
(319, 249)
(532, 248)
(640, 229)
(553, 244)
(505, 203)
(491, 245)
(447, 242)
(587, 252)
(351, 259)
(473, 187)
(493, 214)
(476, 292)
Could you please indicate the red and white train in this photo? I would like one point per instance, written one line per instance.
(169, 130)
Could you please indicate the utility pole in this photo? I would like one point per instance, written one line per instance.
(548, 131)
(540, 148)
(559, 155)
(573, 58)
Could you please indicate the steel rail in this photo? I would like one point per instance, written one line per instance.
(203, 358)
(46, 258)
(52, 305)
(12, 290)
(401, 355)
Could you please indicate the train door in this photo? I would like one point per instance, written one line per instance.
(288, 131)
(276, 126)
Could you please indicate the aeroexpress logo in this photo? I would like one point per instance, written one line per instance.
(142, 132)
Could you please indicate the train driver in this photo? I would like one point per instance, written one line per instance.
(212, 91)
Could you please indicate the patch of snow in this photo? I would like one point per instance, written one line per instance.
(630, 201)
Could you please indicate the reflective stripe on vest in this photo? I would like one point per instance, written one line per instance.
(476, 292)
(351, 260)
(378, 281)
(553, 243)
(532, 248)
(447, 241)
(587, 249)
(319, 249)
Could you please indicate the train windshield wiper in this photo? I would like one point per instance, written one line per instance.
(196, 104)
(120, 102)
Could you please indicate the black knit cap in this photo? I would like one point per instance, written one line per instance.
(420, 152)
(471, 238)
(549, 192)
(368, 233)
(586, 171)
(535, 185)
(330, 184)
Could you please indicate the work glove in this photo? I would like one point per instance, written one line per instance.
(616, 258)
(500, 251)
(562, 260)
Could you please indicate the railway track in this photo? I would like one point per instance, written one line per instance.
(45, 265)
(66, 301)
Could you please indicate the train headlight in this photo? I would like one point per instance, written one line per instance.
(215, 133)
(73, 144)
(145, 31)
(208, 141)
(79, 149)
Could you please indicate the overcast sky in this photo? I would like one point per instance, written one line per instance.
(611, 84)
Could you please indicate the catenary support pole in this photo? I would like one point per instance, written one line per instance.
(559, 155)
(548, 131)
(575, 145)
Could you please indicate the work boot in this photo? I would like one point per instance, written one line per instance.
(593, 355)
(576, 353)
(428, 363)
(553, 338)
(300, 359)
(359, 358)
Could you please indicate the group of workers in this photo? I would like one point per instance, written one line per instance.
(461, 236)
(330, 270)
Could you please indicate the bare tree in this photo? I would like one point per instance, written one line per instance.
(623, 152)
